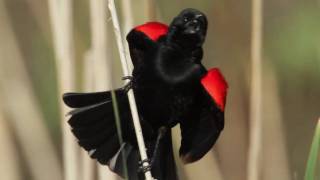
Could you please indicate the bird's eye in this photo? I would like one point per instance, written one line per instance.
(185, 19)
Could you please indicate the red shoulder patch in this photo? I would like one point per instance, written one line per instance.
(216, 86)
(153, 30)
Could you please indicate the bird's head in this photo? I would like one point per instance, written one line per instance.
(189, 28)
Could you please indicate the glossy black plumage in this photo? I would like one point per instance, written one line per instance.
(167, 85)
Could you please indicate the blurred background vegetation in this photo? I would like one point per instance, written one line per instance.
(30, 116)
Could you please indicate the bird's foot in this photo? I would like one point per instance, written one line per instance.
(127, 78)
(130, 84)
(161, 132)
(144, 168)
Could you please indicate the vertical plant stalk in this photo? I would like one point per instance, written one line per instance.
(127, 25)
(151, 10)
(313, 155)
(132, 102)
(119, 131)
(19, 104)
(273, 122)
(41, 16)
(254, 161)
(88, 165)
(127, 16)
(61, 22)
(100, 61)
(8, 152)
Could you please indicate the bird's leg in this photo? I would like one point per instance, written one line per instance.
(130, 84)
(127, 77)
(161, 132)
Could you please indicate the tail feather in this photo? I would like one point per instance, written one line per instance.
(77, 100)
(90, 131)
(95, 141)
(91, 114)
(132, 158)
(107, 150)
(93, 124)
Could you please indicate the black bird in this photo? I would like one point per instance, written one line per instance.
(171, 86)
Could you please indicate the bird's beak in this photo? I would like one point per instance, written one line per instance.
(191, 28)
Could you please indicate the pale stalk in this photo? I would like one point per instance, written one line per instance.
(273, 138)
(127, 25)
(87, 164)
(8, 153)
(60, 12)
(127, 15)
(20, 105)
(132, 102)
(101, 61)
(150, 10)
(254, 161)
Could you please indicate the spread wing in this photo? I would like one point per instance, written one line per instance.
(143, 39)
(202, 127)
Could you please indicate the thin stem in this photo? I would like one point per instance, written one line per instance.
(19, 104)
(100, 61)
(118, 124)
(132, 102)
(151, 10)
(256, 90)
(61, 24)
(127, 25)
(313, 155)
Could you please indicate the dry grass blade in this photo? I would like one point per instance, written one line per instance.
(254, 161)
(8, 152)
(127, 16)
(61, 22)
(19, 103)
(313, 156)
(150, 11)
(102, 64)
(132, 102)
(127, 25)
(88, 164)
(273, 138)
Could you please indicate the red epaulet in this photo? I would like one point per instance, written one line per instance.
(216, 86)
(153, 29)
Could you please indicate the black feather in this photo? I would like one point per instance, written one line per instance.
(78, 100)
(200, 128)
(107, 150)
(167, 86)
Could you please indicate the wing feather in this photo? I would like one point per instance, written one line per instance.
(202, 127)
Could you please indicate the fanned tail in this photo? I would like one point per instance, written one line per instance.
(93, 124)
(78, 100)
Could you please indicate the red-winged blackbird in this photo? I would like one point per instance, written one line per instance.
(171, 86)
